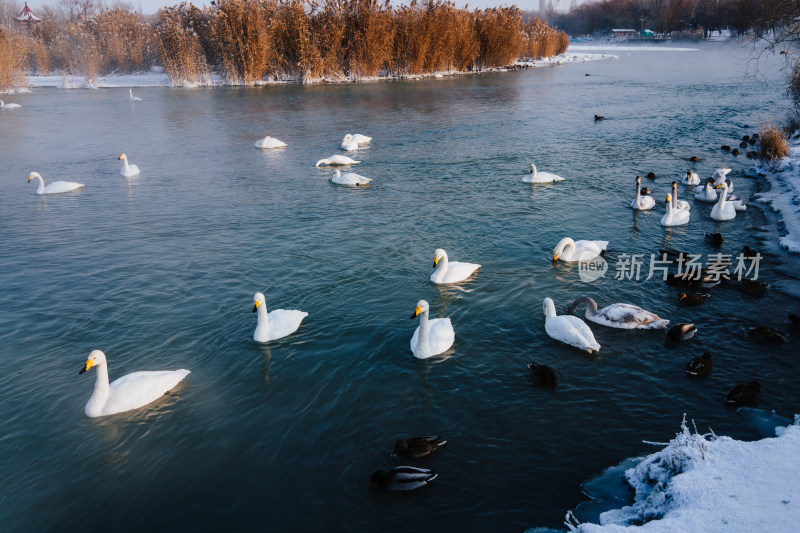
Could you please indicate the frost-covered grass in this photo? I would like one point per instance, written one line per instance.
(708, 483)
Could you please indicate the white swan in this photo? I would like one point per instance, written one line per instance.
(269, 142)
(691, 178)
(55, 187)
(540, 177)
(350, 147)
(675, 217)
(723, 210)
(568, 329)
(622, 316)
(448, 272)
(8, 106)
(642, 203)
(569, 250)
(337, 160)
(355, 138)
(678, 204)
(706, 193)
(127, 170)
(131, 391)
(349, 178)
(134, 98)
(431, 337)
(276, 324)
(720, 177)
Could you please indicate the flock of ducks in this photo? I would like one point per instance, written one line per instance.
(434, 336)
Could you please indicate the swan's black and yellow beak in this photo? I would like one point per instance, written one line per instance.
(718, 186)
(555, 258)
(416, 312)
(87, 366)
(120, 157)
(30, 178)
(435, 261)
(255, 306)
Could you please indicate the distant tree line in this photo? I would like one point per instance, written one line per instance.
(670, 16)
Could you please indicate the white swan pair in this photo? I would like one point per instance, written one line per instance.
(619, 315)
(349, 178)
(540, 177)
(569, 250)
(642, 202)
(269, 142)
(675, 217)
(568, 329)
(337, 160)
(127, 170)
(431, 337)
(134, 98)
(4, 105)
(128, 392)
(352, 142)
(276, 324)
(450, 272)
(55, 187)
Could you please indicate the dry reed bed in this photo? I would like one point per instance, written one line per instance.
(250, 41)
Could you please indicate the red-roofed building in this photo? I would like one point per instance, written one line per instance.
(27, 15)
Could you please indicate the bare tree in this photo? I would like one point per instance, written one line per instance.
(80, 9)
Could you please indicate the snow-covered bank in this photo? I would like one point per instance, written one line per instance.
(708, 483)
(622, 48)
(784, 194)
(160, 79)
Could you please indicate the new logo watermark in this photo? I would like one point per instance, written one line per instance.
(591, 267)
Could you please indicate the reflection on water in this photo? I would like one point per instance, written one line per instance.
(159, 271)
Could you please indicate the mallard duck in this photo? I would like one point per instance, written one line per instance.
(748, 253)
(726, 148)
(681, 332)
(700, 367)
(402, 478)
(693, 298)
(417, 446)
(765, 333)
(714, 238)
(542, 374)
(743, 394)
(748, 286)
(651, 175)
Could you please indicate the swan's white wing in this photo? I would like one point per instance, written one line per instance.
(62, 186)
(645, 202)
(441, 335)
(361, 139)
(459, 271)
(270, 142)
(139, 389)
(571, 330)
(350, 178)
(283, 322)
(627, 316)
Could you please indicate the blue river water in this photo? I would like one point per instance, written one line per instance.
(159, 272)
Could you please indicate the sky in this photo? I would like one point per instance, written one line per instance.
(151, 6)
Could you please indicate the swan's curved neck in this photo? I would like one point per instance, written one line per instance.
(562, 247)
(40, 188)
(591, 305)
(534, 172)
(722, 194)
(674, 197)
(125, 164)
(263, 320)
(442, 267)
(101, 389)
(422, 341)
(638, 193)
(551, 308)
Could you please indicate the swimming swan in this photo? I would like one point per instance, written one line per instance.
(8, 106)
(269, 142)
(55, 187)
(337, 160)
(568, 329)
(723, 210)
(569, 250)
(622, 316)
(356, 138)
(448, 272)
(691, 178)
(678, 204)
(131, 391)
(134, 98)
(675, 217)
(431, 337)
(350, 147)
(706, 193)
(641, 203)
(276, 324)
(720, 177)
(349, 178)
(540, 177)
(128, 170)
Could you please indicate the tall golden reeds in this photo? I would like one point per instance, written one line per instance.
(179, 46)
(12, 59)
(773, 142)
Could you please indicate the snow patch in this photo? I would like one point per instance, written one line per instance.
(784, 194)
